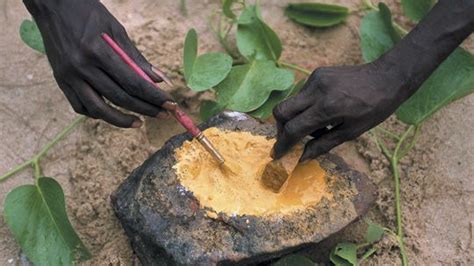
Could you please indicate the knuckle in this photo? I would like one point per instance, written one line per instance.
(94, 110)
(317, 74)
(76, 61)
(93, 48)
(278, 111)
(120, 29)
(79, 109)
(289, 130)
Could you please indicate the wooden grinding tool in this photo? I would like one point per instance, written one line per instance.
(276, 173)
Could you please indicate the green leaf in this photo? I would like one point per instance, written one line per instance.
(205, 71)
(31, 35)
(317, 14)
(294, 260)
(374, 233)
(248, 86)
(36, 215)
(452, 80)
(266, 110)
(209, 70)
(190, 52)
(209, 109)
(227, 8)
(255, 39)
(417, 9)
(344, 254)
(377, 33)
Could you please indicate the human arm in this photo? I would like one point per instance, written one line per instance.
(353, 99)
(87, 70)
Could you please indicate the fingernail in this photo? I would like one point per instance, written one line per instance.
(137, 124)
(169, 105)
(163, 115)
(304, 158)
(162, 75)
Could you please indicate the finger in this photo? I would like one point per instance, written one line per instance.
(294, 130)
(291, 107)
(73, 99)
(124, 41)
(131, 82)
(318, 133)
(97, 108)
(322, 145)
(103, 84)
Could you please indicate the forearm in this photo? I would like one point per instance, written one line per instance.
(418, 55)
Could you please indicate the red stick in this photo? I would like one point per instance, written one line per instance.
(181, 116)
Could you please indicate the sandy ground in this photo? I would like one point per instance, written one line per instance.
(437, 182)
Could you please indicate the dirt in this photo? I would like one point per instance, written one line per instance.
(437, 183)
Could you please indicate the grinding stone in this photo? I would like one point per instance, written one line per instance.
(167, 226)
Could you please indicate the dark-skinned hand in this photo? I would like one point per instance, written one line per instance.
(87, 70)
(340, 103)
(335, 105)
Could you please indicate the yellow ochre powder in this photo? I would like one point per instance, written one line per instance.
(237, 189)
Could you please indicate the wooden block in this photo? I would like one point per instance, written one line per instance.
(276, 173)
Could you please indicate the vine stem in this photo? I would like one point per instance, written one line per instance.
(396, 156)
(399, 152)
(371, 6)
(35, 160)
(294, 67)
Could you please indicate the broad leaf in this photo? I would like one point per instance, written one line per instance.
(227, 8)
(266, 110)
(255, 39)
(417, 9)
(452, 80)
(374, 233)
(36, 215)
(209, 70)
(209, 109)
(317, 14)
(205, 71)
(344, 254)
(190, 52)
(248, 86)
(377, 33)
(31, 35)
(294, 260)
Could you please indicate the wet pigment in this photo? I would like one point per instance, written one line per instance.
(236, 189)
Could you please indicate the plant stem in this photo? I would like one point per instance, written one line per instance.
(58, 137)
(412, 142)
(380, 144)
(294, 67)
(183, 8)
(35, 160)
(37, 168)
(17, 169)
(396, 176)
(367, 254)
(388, 132)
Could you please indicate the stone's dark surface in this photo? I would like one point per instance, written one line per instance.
(167, 226)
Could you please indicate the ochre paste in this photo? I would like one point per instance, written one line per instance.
(236, 189)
